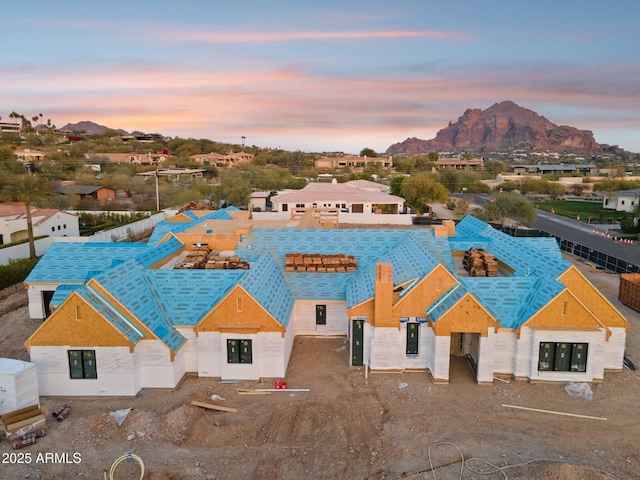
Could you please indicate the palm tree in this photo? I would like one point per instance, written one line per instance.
(25, 189)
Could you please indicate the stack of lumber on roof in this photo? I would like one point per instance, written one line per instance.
(201, 257)
(315, 262)
(20, 423)
(480, 263)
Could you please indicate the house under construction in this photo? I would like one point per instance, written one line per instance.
(215, 295)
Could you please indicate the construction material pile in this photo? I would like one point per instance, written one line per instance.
(480, 263)
(23, 426)
(315, 262)
(201, 257)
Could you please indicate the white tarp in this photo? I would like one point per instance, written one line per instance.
(18, 385)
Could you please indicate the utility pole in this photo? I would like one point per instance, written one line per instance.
(157, 196)
(243, 138)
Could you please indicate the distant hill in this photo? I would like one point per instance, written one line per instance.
(504, 127)
(90, 128)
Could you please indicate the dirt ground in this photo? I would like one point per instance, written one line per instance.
(347, 426)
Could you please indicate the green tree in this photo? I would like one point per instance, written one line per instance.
(433, 157)
(368, 153)
(450, 178)
(504, 206)
(422, 189)
(26, 189)
(396, 185)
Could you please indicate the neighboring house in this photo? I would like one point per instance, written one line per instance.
(351, 197)
(220, 160)
(353, 162)
(583, 169)
(258, 201)
(459, 164)
(622, 201)
(174, 173)
(132, 316)
(10, 127)
(28, 155)
(46, 221)
(82, 192)
(128, 158)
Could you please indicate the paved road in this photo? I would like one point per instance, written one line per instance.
(582, 233)
(577, 232)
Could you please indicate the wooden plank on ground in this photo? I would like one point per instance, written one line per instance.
(554, 413)
(281, 390)
(211, 406)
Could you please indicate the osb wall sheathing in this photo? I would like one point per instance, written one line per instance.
(565, 311)
(364, 309)
(91, 330)
(216, 241)
(383, 299)
(577, 284)
(225, 315)
(430, 289)
(180, 218)
(466, 316)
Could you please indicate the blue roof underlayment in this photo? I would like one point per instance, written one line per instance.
(111, 313)
(129, 284)
(438, 309)
(62, 292)
(162, 299)
(75, 262)
(409, 259)
(188, 295)
(266, 283)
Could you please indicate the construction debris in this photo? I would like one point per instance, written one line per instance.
(315, 262)
(211, 406)
(480, 263)
(19, 424)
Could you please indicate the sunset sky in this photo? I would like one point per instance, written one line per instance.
(321, 76)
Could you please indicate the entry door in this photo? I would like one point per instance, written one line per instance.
(357, 343)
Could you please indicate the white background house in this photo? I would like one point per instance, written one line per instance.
(51, 222)
(622, 200)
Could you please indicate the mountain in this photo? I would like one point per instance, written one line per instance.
(502, 127)
(90, 128)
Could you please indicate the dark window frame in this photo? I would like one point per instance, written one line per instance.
(321, 319)
(413, 339)
(563, 357)
(240, 353)
(82, 364)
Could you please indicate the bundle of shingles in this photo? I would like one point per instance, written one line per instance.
(480, 263)
(325, 263)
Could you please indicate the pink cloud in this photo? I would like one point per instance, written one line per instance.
(228, 37)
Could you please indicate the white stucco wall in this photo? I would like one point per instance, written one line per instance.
(595, 354)
(209, 352)
(614, 349)
(442, 348)
(115, 367)
(153, 358)
(504, 356)
(304, 318)
(189, 349)
(387, 349)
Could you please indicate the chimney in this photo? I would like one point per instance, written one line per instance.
(383, 296)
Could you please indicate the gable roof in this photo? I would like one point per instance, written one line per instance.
(410, 260)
